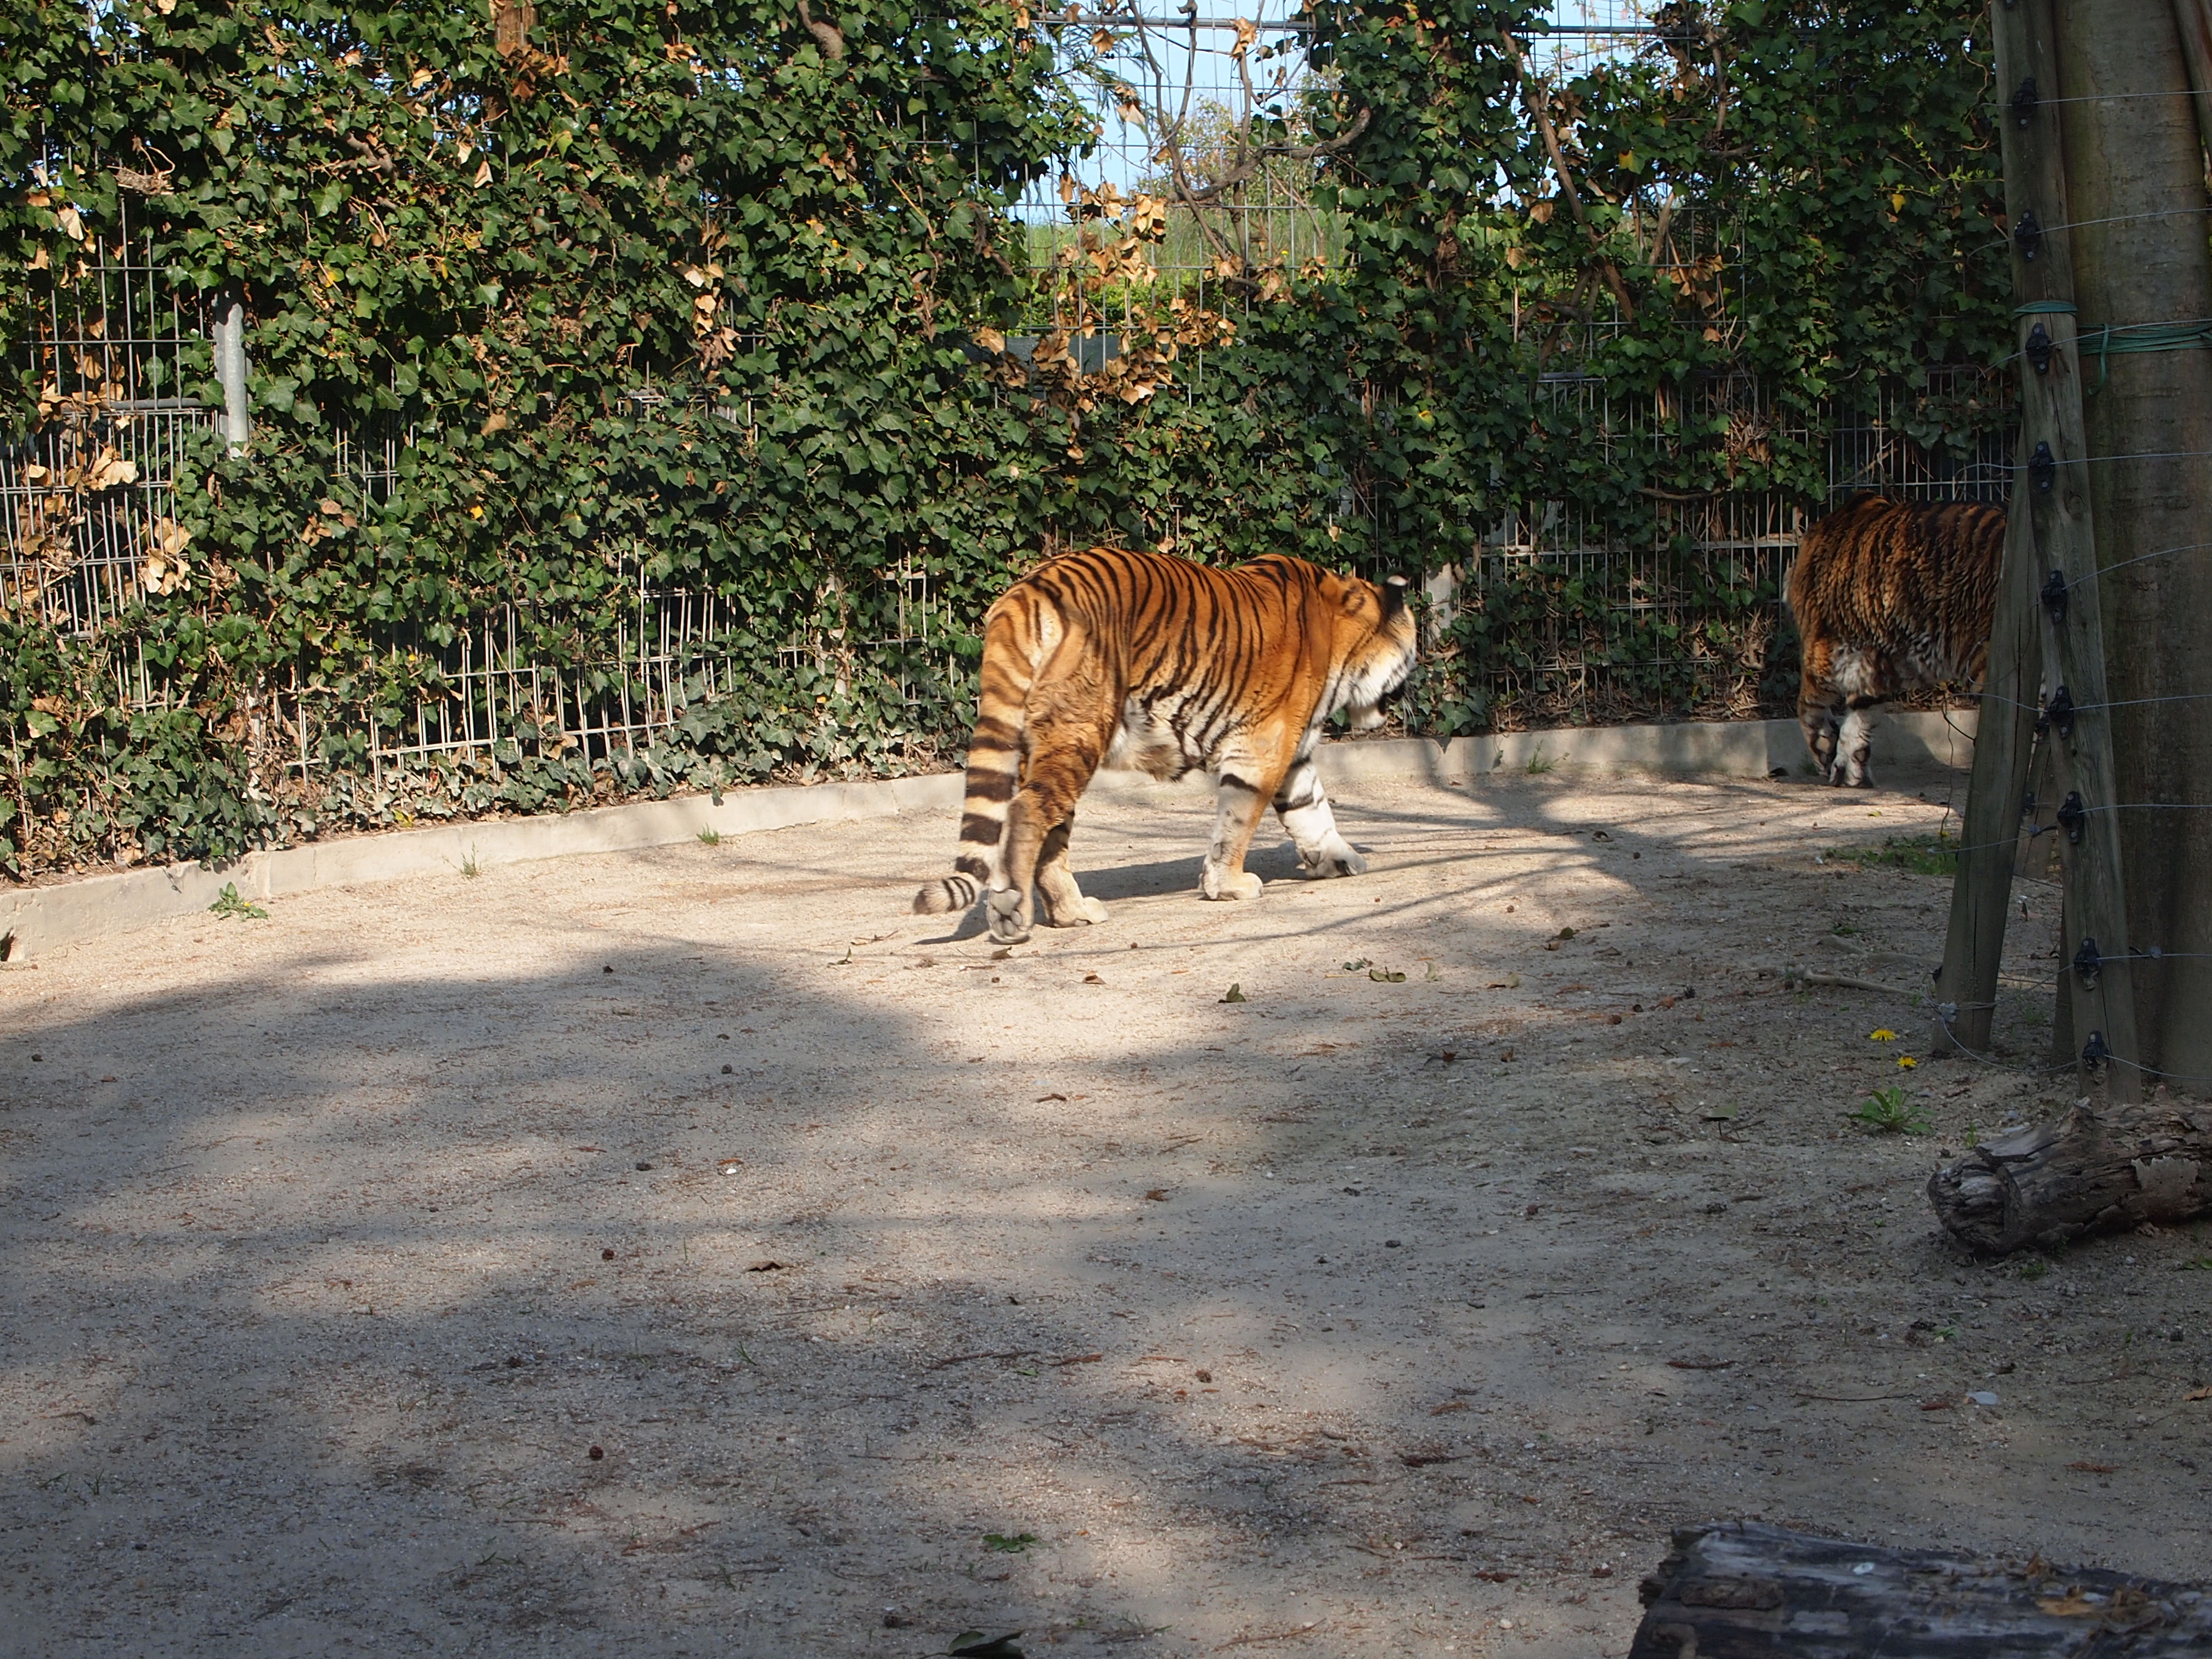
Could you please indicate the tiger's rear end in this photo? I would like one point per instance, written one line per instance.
(1152, 662)
(1889, 597)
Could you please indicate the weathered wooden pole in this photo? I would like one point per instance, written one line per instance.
(2051, 503)
(2004, 731)
(2134, 171)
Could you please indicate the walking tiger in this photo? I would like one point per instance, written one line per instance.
(1140, 659)
(1889, 597)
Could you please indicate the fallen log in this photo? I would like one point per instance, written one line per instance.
(1740, 1589)
(2088, 1170)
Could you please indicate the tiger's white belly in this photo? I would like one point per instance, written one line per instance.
(1146, 741)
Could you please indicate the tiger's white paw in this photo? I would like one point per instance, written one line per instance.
(1220, 884)
(1008, 925)
(1084, 913)
(1333, 857)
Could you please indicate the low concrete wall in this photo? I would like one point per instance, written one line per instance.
(40, 919)
(1743, 749)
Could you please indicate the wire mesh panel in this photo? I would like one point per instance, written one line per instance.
(117, 347)
(1604, 630)
(1197, 202)
(1197, 199)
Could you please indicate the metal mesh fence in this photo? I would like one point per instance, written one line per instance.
(118, 348)
(124, 349)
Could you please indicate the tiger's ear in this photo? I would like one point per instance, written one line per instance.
(1394, 596)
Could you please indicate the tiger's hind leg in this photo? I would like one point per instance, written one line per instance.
(1063, 902)
(1303, 806)
(1819, 712)
(1064, 752)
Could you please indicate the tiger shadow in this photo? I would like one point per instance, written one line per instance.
(1157, 878)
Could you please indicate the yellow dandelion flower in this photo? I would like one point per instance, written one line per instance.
(1882, 1034)
(1906, 1063)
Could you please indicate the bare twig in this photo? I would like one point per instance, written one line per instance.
(963, 1359)
(1251, 157)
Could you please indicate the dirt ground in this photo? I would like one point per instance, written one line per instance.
(693, 1252)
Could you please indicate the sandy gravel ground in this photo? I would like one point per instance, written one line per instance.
(693, 1253)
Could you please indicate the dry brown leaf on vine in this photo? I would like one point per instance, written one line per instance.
(164, 570)
(1541, 213)
(1247, 33)
(992, 341)
(1148, 218)
(106, 470)
(1102, 41)
(1068, 187)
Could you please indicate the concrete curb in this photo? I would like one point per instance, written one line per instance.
(44, 918)
(41, 918)
(1908, 741)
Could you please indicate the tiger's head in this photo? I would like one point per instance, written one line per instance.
(1375, 639)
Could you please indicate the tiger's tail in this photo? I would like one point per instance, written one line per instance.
(994, 759)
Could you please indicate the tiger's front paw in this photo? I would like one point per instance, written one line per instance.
(1332, 858)
(1220, 883)
(1009, 916)
(1082, 913)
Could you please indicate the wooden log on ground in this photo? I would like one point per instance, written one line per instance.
(2089, 1171)
(1745, 1590)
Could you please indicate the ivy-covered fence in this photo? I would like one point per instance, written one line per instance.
(653, 395)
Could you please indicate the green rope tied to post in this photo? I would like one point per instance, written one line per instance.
(2044, 308)
(2108, 342)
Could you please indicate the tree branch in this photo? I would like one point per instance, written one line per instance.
(827, 34)
(1248, 163)
(1530, 96)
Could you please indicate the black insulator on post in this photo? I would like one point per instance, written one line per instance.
(2055, 589)
(2059, 711)
(2088, 963)
(2023, 102)
(2042, 467)
(2073, 816)
(2027, 236)
(2038, 348)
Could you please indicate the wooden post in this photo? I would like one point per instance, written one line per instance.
(2004, 742)
(2052, 485)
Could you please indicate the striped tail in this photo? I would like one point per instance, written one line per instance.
(994, 767)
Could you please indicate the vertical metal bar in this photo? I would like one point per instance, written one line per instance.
(230, 370)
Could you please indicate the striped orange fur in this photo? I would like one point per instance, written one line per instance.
(1889, 597)
(1140, 659)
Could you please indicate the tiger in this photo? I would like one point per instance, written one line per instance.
(1140, 659)
(1889, 597)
